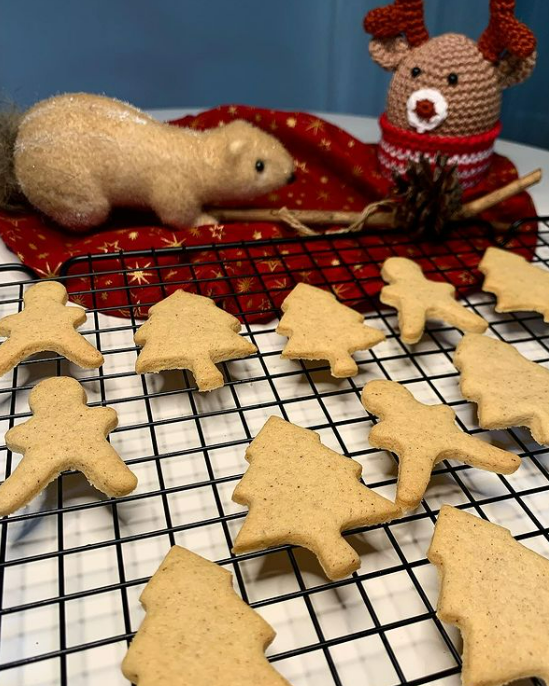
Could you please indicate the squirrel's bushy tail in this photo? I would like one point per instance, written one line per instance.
(11, 197)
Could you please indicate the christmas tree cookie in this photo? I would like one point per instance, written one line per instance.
(187, 331)
(300, 492)
(518, 285)
(508, 389)
(198, 631)
(422, 436)
(63, 434)
(496, 591)
(418, 299)
(321, 328)
(46, 324)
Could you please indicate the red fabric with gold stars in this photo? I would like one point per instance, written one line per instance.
(334, 171)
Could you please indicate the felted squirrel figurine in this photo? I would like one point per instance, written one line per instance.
(445, 96)
(75, 157)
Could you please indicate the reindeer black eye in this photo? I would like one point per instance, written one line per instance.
(259, 166)
(416, 71)
(453, 79)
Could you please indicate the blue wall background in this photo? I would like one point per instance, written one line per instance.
(290, 54)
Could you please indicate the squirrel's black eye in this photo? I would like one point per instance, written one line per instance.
(259, 166)
(416, 71)
(453, 79)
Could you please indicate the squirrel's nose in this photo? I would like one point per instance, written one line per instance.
(425, 109)
(291, 178)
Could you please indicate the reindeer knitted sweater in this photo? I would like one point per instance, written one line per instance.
(472, 155)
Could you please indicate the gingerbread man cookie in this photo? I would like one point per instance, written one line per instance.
(46, 324)
(422, 436)
(63, 434)
(418, 299)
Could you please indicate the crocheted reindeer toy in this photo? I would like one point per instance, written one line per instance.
(445, 96)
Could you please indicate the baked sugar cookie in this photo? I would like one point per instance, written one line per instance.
(418, 299)
(187, 331)
(518, 285)
(321, 328)
(508, 389)
(422, 436)
(63, 433)
(46, 324)
(496, 591)
(198, 631)
(300, 492)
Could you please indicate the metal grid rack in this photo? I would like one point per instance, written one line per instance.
(73, 563)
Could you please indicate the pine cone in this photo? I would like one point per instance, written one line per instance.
(429, 197)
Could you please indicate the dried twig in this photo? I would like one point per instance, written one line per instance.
(378, 214)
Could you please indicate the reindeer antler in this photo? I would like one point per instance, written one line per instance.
(402, 17)
(506, 32)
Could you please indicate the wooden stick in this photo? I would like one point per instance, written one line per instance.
(475, 207)
(380, 217)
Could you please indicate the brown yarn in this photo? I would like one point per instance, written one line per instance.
(506, 33)
(288, 217)
(402, 17)
(474, 103)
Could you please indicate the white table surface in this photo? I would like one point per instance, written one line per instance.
(366, 129)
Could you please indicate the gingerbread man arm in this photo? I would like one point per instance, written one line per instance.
(457, 315)
(107, 415)
(76, 315)
(17, 437)
(7, 322)
(477, 453)
(30, 477)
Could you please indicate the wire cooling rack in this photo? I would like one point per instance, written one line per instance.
(73, 563)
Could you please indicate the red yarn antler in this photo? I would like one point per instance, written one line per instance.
(402, 17)
(506, 32)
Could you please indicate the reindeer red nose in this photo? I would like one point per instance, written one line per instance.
(425, 109)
